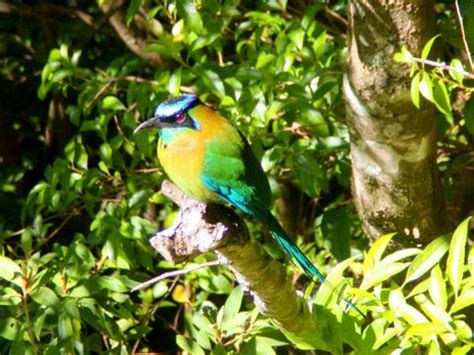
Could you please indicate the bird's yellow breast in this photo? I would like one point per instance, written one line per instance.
(182, 151)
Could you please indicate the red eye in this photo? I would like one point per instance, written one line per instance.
(181, 118)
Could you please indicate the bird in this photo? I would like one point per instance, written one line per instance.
(211, 161)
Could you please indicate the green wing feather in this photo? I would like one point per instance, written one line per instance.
(233, 172)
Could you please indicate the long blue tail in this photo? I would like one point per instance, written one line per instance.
(297, 256)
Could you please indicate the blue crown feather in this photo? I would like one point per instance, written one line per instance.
(175, 106)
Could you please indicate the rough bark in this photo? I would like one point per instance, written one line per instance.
(395, 181)
(201, 228)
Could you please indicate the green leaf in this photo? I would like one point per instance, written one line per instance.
(430, 256)
(213, 82)
(427, 48)
(470, 261)
(105, 152)
(297, 37)
(441, 98)
(309, 15)
(389, 334)
(232, 306)
(462, 330)
(415, 90)
(404, 56)
(189, 345)
(9, 328)
(103, 167)
(257, 346)
(435, 313)
(426, 87)
(380, 274)
(76, 153)
(26, 240)
(112, 283)
(112, 103)
(8, 268)
(165, 47)
(70, 307)
(187, 10)
(65, 329)
(336, 230)
(402, 309)
(264, 59)
(434, 348)
(139, 197)
(310, 176)
(376, 251)
(132, 10)
(458, 67)
(160, 289)
(462, 350)
(456, 256)
(425, 329)
(174, 83)
(45, 296)
(437, 289)
(399, 255)
(421, 287)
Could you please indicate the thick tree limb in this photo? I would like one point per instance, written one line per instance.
(396, 186)
(43, 10)
(201, 228)
(132, 40)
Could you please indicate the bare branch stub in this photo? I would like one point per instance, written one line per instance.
(199, 228)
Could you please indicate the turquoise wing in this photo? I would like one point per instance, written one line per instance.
(233, 172)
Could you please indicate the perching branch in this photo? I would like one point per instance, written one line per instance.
(43, 10)
(132, 40)
(201, 228)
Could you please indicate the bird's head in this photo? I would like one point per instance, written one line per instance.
(172, 113)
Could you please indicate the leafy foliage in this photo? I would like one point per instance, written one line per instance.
(79, 190)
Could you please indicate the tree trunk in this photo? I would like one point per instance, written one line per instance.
(395, 181)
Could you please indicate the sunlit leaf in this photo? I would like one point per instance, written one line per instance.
(435, 313)
(458, 69)
(192, 18)
(441, 97)
(378, 275)
(437, 289)
(425, 329)
(426, 87)
(410, 314)
(376, 251)
(425, 260)
(456, 256)
(189, 345)
(45, 296)
(415, 90)
(232, 305)
(8, 268)
(180, 294)
(112, 103)
(427, 48)
(174, 84)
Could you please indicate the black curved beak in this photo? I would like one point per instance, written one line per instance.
(151, 123)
